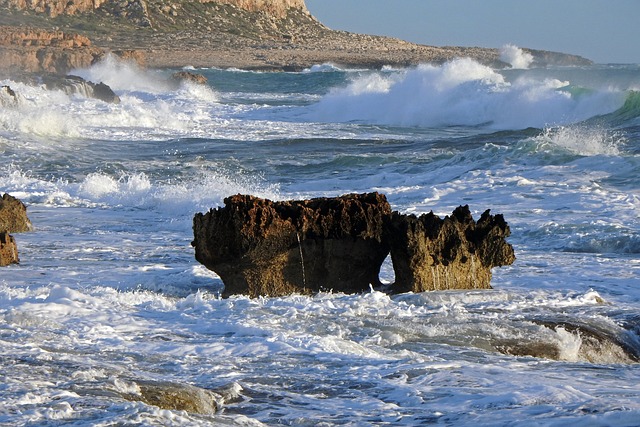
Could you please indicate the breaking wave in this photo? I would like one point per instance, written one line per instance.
(462, 92)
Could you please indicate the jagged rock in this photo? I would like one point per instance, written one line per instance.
(8, 250)
(77, 85)
(187, 76)
(259, 247)
(430, 253)
(13, 215)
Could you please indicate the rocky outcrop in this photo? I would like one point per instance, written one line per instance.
(77, 85)
(33, 50)
(54, 8)
(430, 253)
(278, 8)
(259, 247)
(13, 219)
(13, 215)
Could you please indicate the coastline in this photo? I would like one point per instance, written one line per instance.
(223, 36)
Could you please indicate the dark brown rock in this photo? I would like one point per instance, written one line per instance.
(8, 249)
(259, 247)
(430, 253)
(13, 215)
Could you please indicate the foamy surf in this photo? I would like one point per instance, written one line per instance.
(108, 311)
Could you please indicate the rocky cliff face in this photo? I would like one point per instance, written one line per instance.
(54, 8)
(32, 50)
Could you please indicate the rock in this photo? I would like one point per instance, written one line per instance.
(77, 85)
(8, 250)
(8, 97)
(264, 248)
(34, 50)
(178, 397)
(430, 253)
(187, 76)
(13, 215)
(259, 247)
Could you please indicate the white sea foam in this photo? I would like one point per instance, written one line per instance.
(515, 56)
(460, 93)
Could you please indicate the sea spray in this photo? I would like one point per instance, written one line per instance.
(515, 56)
(461, 92)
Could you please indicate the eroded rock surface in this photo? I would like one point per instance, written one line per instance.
(13, 215)
(8, 250)
(259, 247)
(264, 248)
(430, 253)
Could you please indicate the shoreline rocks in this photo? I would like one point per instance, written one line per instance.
(263, 248)
(13, 219)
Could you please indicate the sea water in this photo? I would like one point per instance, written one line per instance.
(108, 295)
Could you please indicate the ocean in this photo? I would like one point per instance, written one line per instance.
(108, 297)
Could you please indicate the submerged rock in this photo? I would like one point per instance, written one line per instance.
(13, 215)
(259, 247)
(8, 250)
(178, 397)
(430, 253)
(264, 248)
(575, 341)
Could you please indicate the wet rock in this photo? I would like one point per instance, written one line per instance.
(8, 250)
(430, 253)
(72, 85)
(576, 341)
(187, 76)
(13, 215)
(8, 97)
(259, 247)
(178, 397)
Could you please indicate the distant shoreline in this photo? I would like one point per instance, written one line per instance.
(223, 37)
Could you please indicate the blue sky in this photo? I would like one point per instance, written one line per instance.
(605, 31)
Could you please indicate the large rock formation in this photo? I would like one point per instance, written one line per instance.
(430, 253)
(13, 215)
(259, 247)
(13, 219)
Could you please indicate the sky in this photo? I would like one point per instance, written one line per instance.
(604, 31)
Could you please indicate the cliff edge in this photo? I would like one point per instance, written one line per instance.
(248, 34)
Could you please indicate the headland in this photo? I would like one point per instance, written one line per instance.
(269, 35)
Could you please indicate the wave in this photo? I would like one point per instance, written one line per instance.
(136, 190)
(462, 92)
